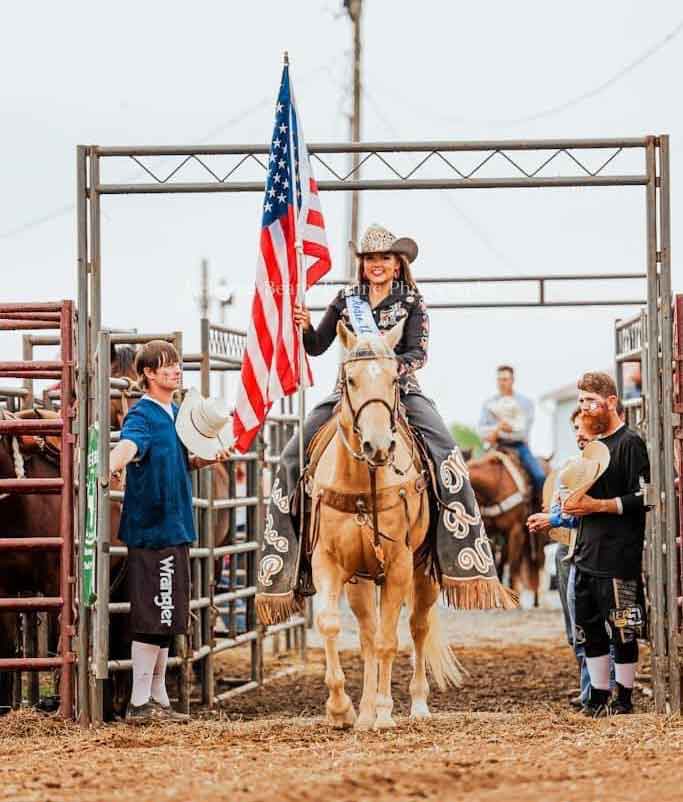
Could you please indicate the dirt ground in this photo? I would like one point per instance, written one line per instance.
(508, 734)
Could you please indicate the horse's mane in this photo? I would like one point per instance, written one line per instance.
(124, 357)
(368, 346)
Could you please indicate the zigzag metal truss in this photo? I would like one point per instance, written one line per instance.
(559, 163)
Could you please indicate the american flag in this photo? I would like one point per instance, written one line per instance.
(291, 208)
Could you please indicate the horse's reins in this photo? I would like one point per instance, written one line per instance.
(393, 411)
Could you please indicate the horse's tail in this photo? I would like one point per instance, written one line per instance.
(443, 664)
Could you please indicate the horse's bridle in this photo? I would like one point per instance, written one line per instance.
(393, 410)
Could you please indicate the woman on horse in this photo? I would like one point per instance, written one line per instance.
(386, 291)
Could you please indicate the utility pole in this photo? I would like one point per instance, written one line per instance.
(226, 298)
(354, 9)
(204, 297)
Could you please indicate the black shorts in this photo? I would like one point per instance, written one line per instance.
(608, 609)
(159, 590)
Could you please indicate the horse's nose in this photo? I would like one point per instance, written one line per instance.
(392, 445)
(368, 449)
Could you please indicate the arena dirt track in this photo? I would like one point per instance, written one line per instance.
(507, 735)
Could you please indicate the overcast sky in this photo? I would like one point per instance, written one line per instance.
(178, 73)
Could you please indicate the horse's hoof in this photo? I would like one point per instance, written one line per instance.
(342, 721)
(419, 710)
(384, 724)
(364, 722)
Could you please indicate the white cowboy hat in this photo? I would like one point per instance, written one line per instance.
(506, 408)
(580, 474)
(204, 425)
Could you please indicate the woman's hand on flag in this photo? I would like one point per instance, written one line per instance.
(302, 317)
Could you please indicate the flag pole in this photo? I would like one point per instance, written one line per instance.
(301, 297)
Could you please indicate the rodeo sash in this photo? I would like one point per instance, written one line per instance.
(360, 315)
(90, 539)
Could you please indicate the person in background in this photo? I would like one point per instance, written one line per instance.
(609, 549)
(564, 567)
(506, 420)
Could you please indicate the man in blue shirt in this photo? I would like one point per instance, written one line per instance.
(506, 420)
(157, 526)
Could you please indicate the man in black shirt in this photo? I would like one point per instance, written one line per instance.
(609, 549)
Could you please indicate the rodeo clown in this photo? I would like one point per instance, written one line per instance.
(608, 558)
(156, 521)
(384, 294)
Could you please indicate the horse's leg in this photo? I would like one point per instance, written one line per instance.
(361, 596)
(8, 637)
(425, 594)
(394, 591)
(328, 578)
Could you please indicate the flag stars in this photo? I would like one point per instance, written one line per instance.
(281, 198)
(276, 180)
(277, 143)
(283, 129)
(281, 164)
(279, 108)
(267, 207)
(271, 193)
(285, 184)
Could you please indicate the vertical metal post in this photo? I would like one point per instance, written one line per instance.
(668, 488)
(657, 532)
(27, 356)
(355, 9)
(207, 536)
(82, 424)
(66, 519)
(103, 573)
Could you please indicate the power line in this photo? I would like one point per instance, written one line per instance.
(55, 214)
(560, 107)
(443, 195)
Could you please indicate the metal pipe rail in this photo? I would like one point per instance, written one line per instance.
(56, 316)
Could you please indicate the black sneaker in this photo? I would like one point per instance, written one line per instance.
(620, 707)
(141, 714)
(602, 710)
(167, 713)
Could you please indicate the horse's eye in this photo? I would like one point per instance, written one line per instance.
(351, 382)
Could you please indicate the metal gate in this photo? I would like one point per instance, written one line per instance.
(457, 165)
(59, 317)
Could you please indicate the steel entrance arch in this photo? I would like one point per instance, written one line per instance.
(493, 159)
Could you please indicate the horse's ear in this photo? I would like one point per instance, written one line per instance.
(113, 353)
(393, 336)
(347, 337)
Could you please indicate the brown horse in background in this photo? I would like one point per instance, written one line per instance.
(514, 546)
(25, 573)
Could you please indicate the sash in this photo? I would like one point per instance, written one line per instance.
(360, 315)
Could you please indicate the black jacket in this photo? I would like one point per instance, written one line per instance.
(401, 303)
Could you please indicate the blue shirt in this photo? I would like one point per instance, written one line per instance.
(157, 504)
(488, 421)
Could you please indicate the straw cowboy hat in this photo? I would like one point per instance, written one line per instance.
(204, 425)
(378, 239)
(507, 409)
(580, 474)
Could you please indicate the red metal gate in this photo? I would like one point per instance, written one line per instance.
(55, 316)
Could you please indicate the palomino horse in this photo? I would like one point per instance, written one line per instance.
(25, 572)
(505, 509)
(370, 452)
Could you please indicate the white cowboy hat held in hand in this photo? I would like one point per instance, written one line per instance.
(580, 474)
(204, 425)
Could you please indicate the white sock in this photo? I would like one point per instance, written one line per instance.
(144, 658)
(625, 673)
(159, 679)
(598, 668)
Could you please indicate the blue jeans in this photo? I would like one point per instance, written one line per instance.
(530, 464)
(579, 650)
